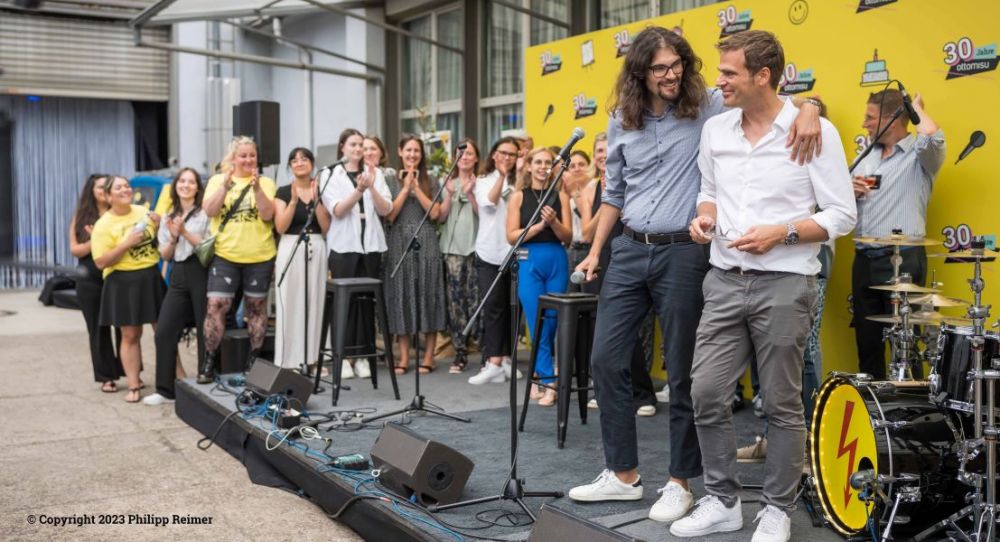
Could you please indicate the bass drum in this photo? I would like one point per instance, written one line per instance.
(894, 431)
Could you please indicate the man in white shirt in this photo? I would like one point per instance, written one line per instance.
(757, 208)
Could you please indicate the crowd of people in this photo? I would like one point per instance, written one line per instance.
(713, 209)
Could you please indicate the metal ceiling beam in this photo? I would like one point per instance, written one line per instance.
(385, 26)
(149, 13)
(306, 46)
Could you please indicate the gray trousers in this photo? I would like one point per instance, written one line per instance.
(771, 314)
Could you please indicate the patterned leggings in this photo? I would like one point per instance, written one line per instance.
(462, 291)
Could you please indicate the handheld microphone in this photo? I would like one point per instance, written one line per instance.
(575, 137)
(908, 104)
(976, 140)
(579, 277)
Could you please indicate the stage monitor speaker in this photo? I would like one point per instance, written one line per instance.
(414, 466)
(557, 525)
(260, 120)
(267, 379)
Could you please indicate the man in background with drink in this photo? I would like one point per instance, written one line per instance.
(893, 187)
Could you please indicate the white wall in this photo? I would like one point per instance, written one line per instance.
(188, 96)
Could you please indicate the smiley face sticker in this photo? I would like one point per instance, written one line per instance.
(798, 12)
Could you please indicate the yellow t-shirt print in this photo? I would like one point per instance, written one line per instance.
(111, 230)
(246, 238)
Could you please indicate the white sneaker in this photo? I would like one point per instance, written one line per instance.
(491, 374)
(346, 372)
(607, 487)
(663, 396)
(361, 368)
(155, 400)
(674, 502)
(646, 411)
(710, 516)
(592, 404)
(773, 525)
(506, 369)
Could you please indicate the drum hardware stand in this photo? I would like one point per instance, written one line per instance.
(900, 335)
(905, 494)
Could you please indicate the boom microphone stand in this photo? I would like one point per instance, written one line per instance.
(513, 489)
(419, 404)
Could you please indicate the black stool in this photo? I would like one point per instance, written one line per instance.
(339, 293)
(575, 315)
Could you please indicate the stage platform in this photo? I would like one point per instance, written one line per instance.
(485, 440)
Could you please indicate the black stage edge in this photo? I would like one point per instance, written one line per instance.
(288, 468)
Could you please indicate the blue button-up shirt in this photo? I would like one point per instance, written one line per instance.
(652, 174)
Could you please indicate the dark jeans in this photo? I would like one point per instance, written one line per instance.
(495, 316)
(668, 278)
(183, 306)
(361, 314)
(107, 365)
(871, 269)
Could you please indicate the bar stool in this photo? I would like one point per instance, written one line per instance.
(575, 316)
(339, 294)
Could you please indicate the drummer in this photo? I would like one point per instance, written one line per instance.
(904, 166)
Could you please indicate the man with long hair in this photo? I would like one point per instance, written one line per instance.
(659, 105)
(758, 210)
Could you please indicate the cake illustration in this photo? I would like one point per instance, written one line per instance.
(875, 72)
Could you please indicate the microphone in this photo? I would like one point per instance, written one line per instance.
(908, 104)
(340, 162)
(579, 277)
(576, 136)
(862, 478)
(976, 140)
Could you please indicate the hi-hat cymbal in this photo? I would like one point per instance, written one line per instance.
(914, 320)
(967, 256)
(938, 300)
(907, 287)
(900, 240)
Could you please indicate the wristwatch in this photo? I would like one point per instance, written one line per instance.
(792, 237)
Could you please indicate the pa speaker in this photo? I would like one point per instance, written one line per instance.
(557, 525)
(267, 379)
(414, 466)
(260, 120)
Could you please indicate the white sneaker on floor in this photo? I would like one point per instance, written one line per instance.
(346, 372)
(506, 368)
(592, 404)
(646, 411)
(155, 400)
(361, 368)
(674, 502)
(491, 374)
(663, 396)
(710, 516)
(773, 525)
(607, 487)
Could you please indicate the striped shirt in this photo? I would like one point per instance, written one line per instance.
(907, 180)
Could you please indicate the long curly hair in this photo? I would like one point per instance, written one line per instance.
(423, 179)
(87, 208)
(630, 96)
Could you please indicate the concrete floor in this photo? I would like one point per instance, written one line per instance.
(71, 451)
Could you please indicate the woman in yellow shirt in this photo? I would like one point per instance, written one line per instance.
(123, 247)
(244, 248)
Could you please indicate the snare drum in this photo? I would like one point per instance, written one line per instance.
(898, 434)
(953, 363)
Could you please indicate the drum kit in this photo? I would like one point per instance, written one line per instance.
(916, 458)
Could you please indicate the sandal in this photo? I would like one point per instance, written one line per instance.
(457, 367)
(109, 387)
(137, 392)
(401, 370)
(426, 369)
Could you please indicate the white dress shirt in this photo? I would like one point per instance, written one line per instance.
(491, 238)
(760, 185)
(344, 234)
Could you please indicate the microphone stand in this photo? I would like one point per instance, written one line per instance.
(419, 403)
(304, 239)
(513, 489)
(871, 145)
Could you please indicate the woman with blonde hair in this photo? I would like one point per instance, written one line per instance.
(241, 205)
(122, 243)
(546, 270)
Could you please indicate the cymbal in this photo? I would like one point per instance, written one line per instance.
(907, 287)
(900, 240)
(938, 300)
(967, 255)
(914, 320)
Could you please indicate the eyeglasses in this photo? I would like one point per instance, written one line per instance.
(507, 154)
(660, 70)
(724, 235)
